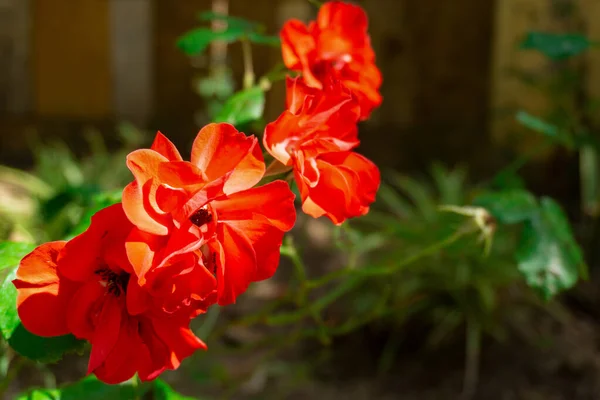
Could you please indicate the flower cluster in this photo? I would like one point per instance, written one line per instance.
(187, 235)
(316, 134)
(191, 234)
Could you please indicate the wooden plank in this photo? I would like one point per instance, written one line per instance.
(132, 59)
(72, 58)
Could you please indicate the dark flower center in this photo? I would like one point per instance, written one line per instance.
(201, 217)
(116, 283)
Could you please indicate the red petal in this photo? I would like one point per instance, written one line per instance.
(134, 205)
(266, 241)
(165, 147)
(107, 331)
(124, 359)
(141, 249)
(178, 338)
(238, 268)
(43, 296)
(139, 197)
(348, 20)
(84, 308)
(346, 187)
(138, 299)
(299, 49)
(102, 243)
(219, 150)
(273, 202)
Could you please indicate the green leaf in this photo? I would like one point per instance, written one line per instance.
(88, 388)
(556, 46)
(237, 22)
(548, 130)
(162, 391)
(243, 107)
(268, 40)
(22, 341)
(252, 30)
(197, 40)
(10, 256)
(548, 255)
(509, 206)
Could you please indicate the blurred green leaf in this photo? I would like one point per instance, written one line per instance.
(547, 254)
(243, 107)
(509, 206)
(237, 22)
(556, 46)
(197, 40)
(548, 130)
(260, 38)
(11, 254)
(162, 391)
(419, 193)
(23, 342)
(88, 388)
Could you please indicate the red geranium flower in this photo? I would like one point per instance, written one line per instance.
(88, 287)
(336, 45)
(239, 229)
(315, 136)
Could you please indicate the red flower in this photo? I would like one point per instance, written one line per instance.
(336, 45)
(315, 136)
(239, 229)
(88, 287)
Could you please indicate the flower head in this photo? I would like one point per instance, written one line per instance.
(336, 45)
(237, 228)
(88, 287)
(315, 136)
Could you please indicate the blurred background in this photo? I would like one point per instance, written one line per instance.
(468, 87)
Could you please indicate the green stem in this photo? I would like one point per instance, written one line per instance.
(289, 250)
(13, 371)
(472, 353)
(355, 278)
(248, 66)
(426, 252)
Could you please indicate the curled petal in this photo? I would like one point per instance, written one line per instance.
(139, 197)
(178, 338)
(43, 294)
(299, 49)
(272, 203)
(165, 147)
(221, 152)
(139, 210)
(346, 187)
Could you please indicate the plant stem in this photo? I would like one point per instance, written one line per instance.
(289, 250)
(248, 67)
(12, 373)
(426, 252)
(472, 352)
